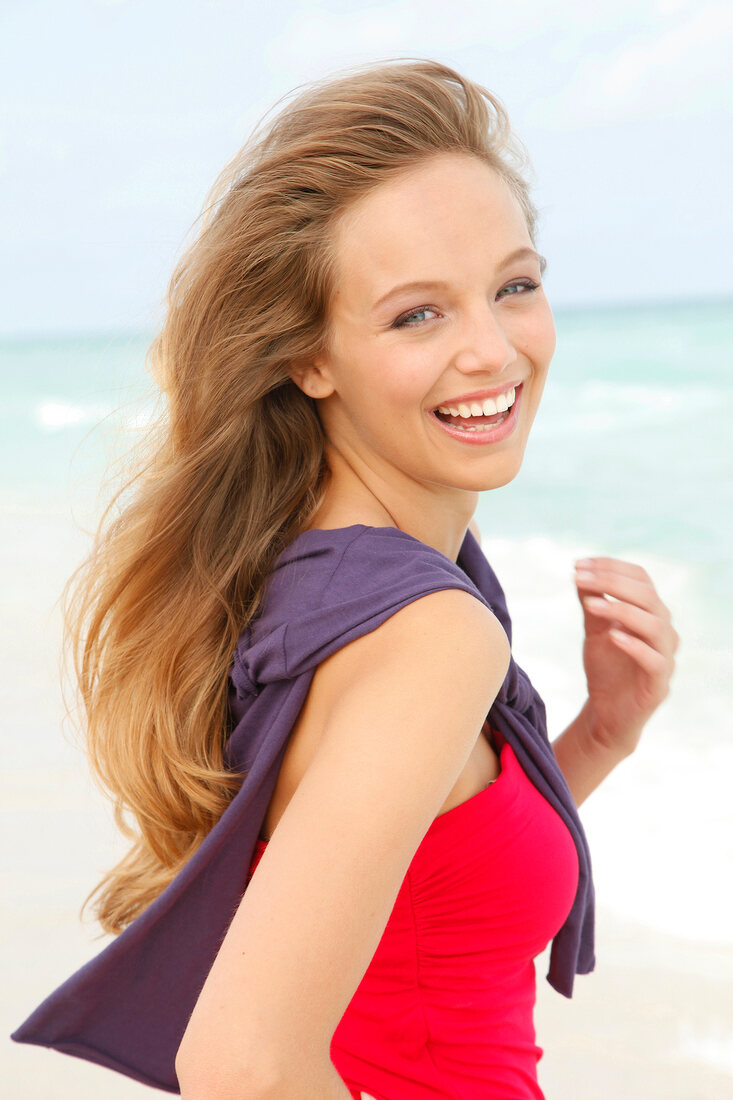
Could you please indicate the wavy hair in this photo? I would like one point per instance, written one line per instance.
(235, 464)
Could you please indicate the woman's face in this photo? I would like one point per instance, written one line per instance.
(469, 322)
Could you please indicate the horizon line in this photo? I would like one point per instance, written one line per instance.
(128, 333)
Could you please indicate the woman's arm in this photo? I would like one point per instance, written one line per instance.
(584, 760)
(404, 707)
(629, 658)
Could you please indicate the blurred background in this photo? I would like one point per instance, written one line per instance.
(116, 118)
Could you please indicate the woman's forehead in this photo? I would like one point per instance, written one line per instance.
(432, 221)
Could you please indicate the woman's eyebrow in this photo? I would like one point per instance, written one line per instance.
(439, 284)
(523, 254)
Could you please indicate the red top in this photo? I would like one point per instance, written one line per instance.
(445, 1008)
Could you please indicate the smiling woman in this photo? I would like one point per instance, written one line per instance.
(486, 332)
(353, 835)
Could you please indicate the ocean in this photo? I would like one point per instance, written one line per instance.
(630, 457)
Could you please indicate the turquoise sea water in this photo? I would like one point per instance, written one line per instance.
(630, 456)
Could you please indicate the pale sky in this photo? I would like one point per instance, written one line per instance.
(117, 115)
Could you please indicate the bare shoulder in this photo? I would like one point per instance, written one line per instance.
(402, 708)
(442, 629)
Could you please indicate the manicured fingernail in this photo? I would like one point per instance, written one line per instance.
(584, 563)
(583, 576)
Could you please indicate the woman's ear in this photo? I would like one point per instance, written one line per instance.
(311, 376)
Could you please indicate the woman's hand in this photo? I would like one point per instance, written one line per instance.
(628, 651)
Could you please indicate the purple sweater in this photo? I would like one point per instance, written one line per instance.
(128, 1007)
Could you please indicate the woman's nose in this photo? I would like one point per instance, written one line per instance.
(484, 344)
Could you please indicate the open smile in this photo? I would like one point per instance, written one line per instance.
(481, 430)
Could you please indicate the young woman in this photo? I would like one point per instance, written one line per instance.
(353, 839)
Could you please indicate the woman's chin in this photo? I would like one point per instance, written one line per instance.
(500, 473)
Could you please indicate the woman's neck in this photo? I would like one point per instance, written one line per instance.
(349, 500)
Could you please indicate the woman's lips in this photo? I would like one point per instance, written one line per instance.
(492, 433)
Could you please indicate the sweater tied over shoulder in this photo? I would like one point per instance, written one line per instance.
(128, 1007)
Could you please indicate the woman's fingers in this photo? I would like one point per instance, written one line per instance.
(625, 581)
(650, 659)
(648, 634)
(644, 624)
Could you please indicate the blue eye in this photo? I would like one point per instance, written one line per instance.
(404, 321)
(527, 284)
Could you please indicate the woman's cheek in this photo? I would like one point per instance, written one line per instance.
(536, 338)
(546, 335)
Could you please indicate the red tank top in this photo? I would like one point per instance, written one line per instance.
(445, 1008)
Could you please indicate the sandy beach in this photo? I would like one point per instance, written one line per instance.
(653, 1022)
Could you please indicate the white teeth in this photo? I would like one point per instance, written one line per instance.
(488, 407)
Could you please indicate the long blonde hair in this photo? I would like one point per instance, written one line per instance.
(235, 464)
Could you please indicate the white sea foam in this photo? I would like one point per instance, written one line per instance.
(655, 397)
(55, 415)
(599, 405)
(661, 836)
(713, 1048)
